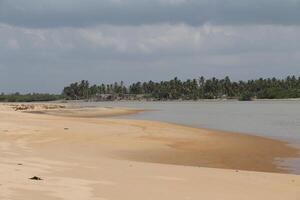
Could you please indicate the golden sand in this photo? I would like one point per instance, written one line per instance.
(83, 157)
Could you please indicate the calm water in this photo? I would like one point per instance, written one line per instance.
(275, 119)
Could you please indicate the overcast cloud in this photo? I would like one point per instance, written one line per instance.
(60, 13)
(46, 44)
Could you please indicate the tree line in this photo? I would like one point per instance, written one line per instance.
(30, 97)
(190, 89)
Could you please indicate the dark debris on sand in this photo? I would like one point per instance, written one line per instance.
(36, 178)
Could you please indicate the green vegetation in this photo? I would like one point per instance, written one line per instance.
(175, 89)
(246, 96)
(16, 97)
(191, 89)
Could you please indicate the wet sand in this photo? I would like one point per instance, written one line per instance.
(93, 158)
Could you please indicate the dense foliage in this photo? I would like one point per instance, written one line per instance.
(16, 97)
(191, 89)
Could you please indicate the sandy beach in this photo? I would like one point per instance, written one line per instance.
(81, 153)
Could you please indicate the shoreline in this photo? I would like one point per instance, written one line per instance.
(228, 141)
(198, 100)
(76, 103)
(89, 154)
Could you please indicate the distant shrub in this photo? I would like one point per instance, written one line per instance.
(279, 93)
(246, 96)
(31, 97)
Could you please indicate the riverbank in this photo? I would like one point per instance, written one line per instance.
(79, 156)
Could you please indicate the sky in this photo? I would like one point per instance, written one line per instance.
(47, 44)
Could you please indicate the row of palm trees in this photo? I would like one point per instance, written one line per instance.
(190, 89)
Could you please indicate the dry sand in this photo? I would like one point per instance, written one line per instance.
(84, 158)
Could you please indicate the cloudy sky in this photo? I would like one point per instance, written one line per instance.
(46, 44)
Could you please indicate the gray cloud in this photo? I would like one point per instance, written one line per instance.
(81, 13)
(46, 44)
(47, 59)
